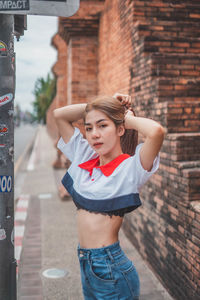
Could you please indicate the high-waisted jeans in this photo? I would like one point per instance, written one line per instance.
(107, 273)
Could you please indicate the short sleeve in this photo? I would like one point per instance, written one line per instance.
(142, 174)
(77, 148)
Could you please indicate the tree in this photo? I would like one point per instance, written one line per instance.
(44, 91)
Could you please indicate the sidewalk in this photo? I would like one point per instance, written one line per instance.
(50, 238)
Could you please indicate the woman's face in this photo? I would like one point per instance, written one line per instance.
(101, 132)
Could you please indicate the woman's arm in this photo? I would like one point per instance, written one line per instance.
(154, 136)
(153, 132)
(65, 116)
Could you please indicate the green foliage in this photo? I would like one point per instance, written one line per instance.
(44, 91)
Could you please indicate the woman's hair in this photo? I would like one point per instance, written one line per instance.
(115, 111)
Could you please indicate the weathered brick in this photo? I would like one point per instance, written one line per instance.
(182, 45)
(194, 16)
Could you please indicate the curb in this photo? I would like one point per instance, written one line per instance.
(20, 219)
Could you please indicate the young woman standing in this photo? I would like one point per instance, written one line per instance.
(104, 183)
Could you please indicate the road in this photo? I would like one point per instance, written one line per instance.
(22, 137)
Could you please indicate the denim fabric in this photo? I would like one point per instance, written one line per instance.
(108, 274)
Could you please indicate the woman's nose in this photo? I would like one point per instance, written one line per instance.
(95, 133)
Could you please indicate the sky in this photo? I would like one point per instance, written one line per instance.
(34, 57)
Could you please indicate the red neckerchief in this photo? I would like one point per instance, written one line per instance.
(106, 169)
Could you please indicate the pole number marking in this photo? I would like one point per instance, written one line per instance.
(5, 184)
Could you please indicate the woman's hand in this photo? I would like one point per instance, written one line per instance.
(125, 100)
(152, 131)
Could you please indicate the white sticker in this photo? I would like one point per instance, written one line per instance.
(6, 99)
(12, 237)
(11, 112)
(2, 234)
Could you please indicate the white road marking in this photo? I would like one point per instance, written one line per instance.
(18, 250)
(32, 159)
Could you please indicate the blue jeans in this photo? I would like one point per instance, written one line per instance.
(108, 274)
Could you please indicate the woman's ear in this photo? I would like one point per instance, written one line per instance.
(121, 129)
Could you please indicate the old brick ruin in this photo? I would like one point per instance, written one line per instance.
(151, 50)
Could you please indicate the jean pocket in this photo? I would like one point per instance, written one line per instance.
(100, 269)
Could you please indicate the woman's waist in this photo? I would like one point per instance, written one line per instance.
(96, 221)
(100, 252)
(93, 242)
(96, 230)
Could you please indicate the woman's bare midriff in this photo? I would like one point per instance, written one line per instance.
(97, 230)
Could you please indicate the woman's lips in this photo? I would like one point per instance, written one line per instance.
(98, 145)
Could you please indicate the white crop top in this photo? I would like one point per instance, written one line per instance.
(109, 189)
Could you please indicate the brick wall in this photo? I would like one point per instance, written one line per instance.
(59, 70)
(76, 67)
(165, 85)
(80, 33)
(151, 50)
(115, 47)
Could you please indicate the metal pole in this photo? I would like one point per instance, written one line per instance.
(7, 91)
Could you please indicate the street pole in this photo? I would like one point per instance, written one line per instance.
(7, 91)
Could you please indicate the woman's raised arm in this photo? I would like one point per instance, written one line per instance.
(154, 136)
(65, 116)
(153, 132)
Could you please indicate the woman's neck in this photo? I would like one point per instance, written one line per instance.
(105, 159)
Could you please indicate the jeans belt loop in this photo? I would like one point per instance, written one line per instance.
(110, 255)
(88, 255)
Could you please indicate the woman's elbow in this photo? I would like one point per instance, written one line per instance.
(56, 113)
(158, 132)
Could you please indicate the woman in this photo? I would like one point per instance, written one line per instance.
(104, 183)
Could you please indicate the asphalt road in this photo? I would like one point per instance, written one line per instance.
(22, 137)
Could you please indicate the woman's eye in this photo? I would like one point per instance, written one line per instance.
(103, 125)
(88, 129)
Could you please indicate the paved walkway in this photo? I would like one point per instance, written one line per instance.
(50, 237)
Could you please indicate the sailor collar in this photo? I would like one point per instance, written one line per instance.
(106, 169)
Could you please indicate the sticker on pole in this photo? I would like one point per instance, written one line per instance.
(5, 184)
(5, 99)
(3, 49)
(2, 234)
(10, 5)
(3, 129)
(12, 237)
(60, 8)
